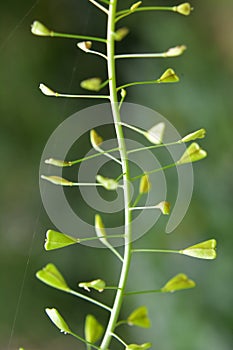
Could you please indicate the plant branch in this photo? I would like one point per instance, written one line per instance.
(102, 8)
(93, 301)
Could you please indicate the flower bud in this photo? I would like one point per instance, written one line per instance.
(58, 320)
(199, 134)
(123, 93)
(92, 84)
(145, 184)
(100, 229)
(40, 29)
(58, 162)
(95, 139)
(108, 184)
(57, 180)
(121, 33)
(164, 207)
(46, 90)
(85, 45)
(169, 76)
(192, 154)
(175, 51)
(184, 9)
(135, 6)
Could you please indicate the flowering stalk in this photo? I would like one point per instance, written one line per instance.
(55, 240)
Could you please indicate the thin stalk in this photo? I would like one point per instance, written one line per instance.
(102, 8)
(93, 301)
(126, 176)
(124, 13)
(89, 345)
(81, 96)
(80, 240)
(119, 339)
(142, 55)
(147, 82)
(154, 171)
(99, 149)
(144, 292)
(154, 146)
(155, 251)
(97, 53)
(73, 162)
(75, 36)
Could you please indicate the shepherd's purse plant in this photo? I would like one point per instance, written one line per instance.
(95, 335)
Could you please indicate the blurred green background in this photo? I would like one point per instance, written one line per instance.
(191, 320)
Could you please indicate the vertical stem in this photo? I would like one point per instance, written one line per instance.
(125, 170)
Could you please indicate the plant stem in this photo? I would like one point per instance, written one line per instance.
(74, 36)
(125, 13)
(102, 8)
(155, 251)
(141, 55)
(93, 301)
(126, 176)
(147, 82)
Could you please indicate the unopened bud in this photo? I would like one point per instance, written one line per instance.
(164, 207)
(40, 29)
(145, 184)
(121, 33)
(92, 84)
(184, 9)
(175, 51)
(135, 6)
(100, 229)
(46, 90)
(58, 162)
(95, 139)
(57, 180)
(85, 45)
(108, 184)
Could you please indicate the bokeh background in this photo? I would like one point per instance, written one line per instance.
(193, 320)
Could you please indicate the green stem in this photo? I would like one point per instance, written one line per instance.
(99, 6)
(119, 339)
(144, 292)
(74, 36)
(93, 301)
(154, 171)
(154, 146)
(124, 13)
(126, 176)
(92, 156)
(142, 55)
(155, 251)
(147, 82)
(89, 345)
